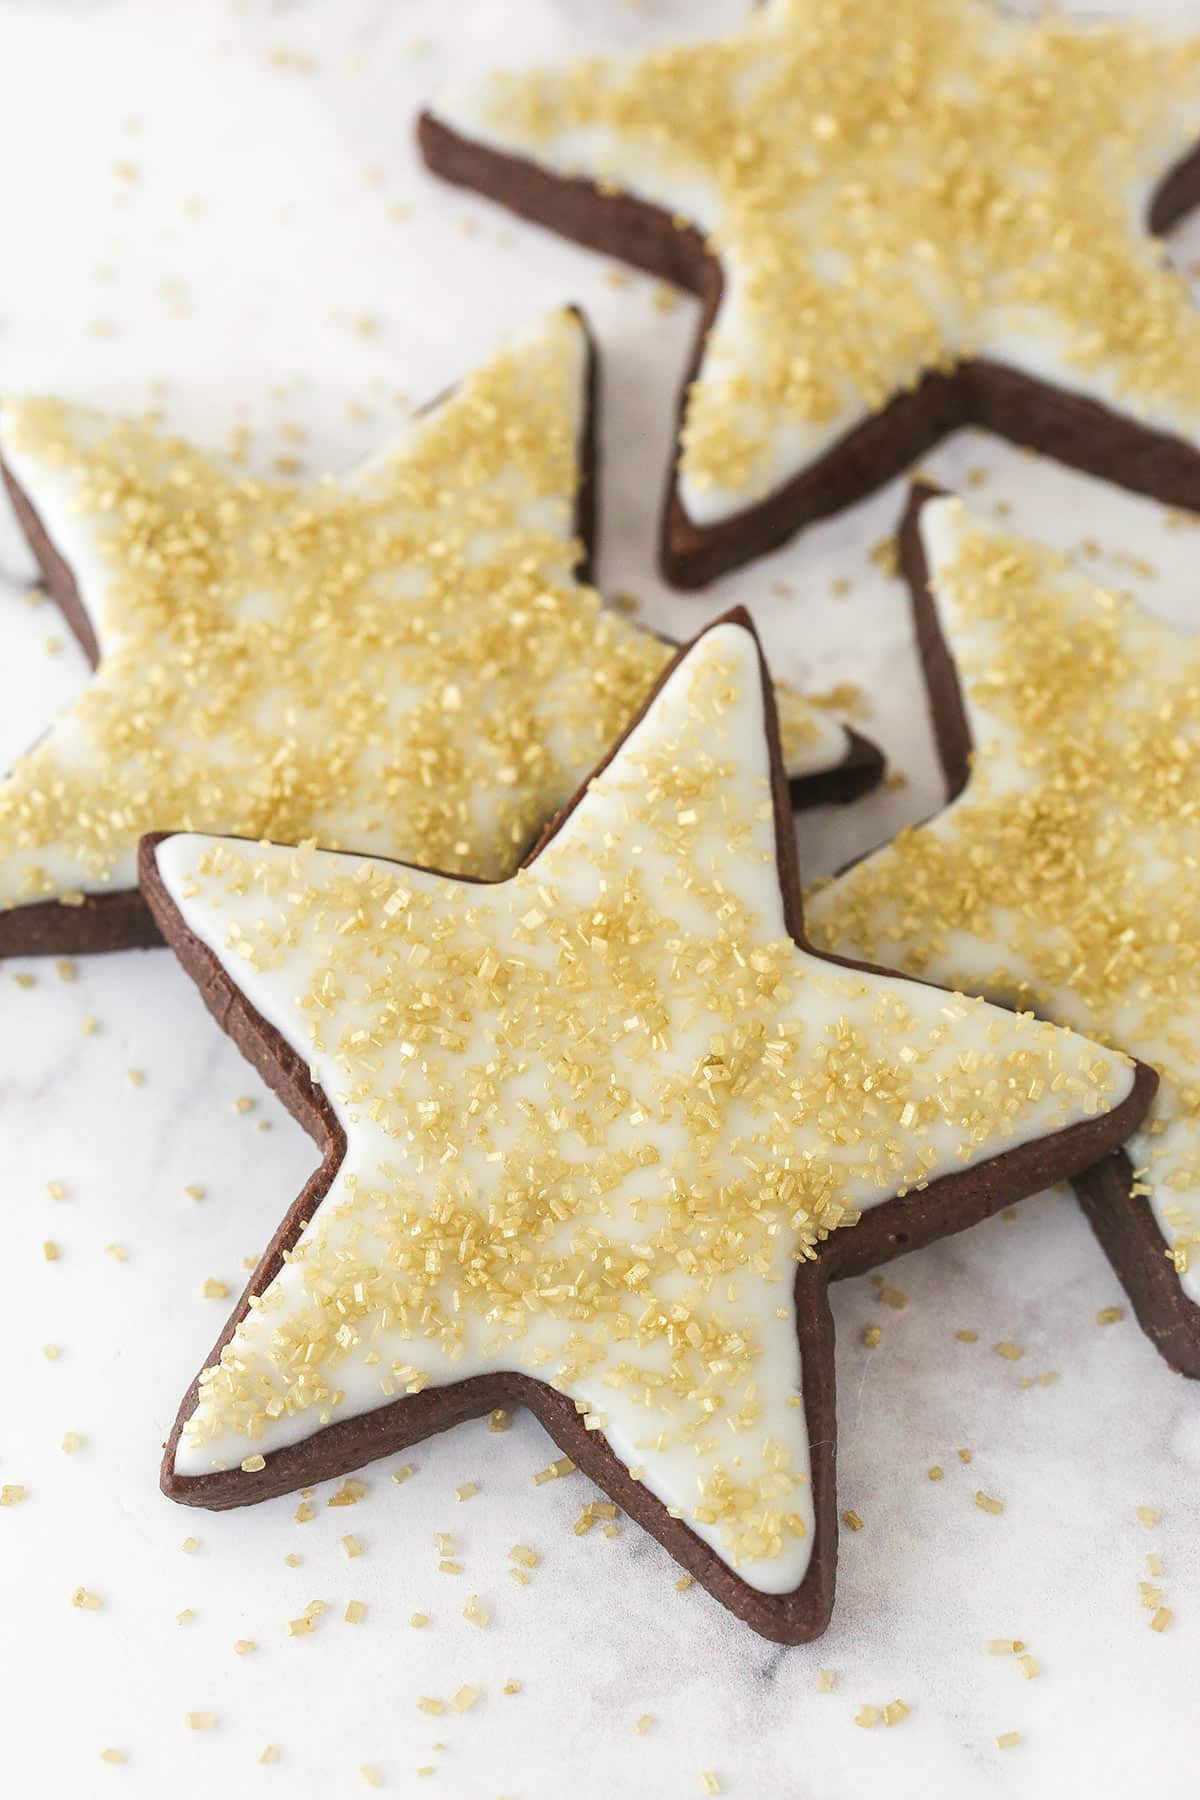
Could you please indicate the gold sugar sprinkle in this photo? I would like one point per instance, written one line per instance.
(244, 1646)
(964, 1456)
(252, 1464)
(51, 1352)
(199, 1721)
(71, 1441)
(643, 1723)
(684, 1582)
(867, 1716)
(404, 1473)
(1154, 1563)
(189, 1544)
(464, 1699)
(118, 1252)
(895, 1711)
(353, 1546)
(709, 1782)
(304, 1513)
(852, 1520)
(300, 1627)
(448, 1566)
(428, 1704)
(1162, 1618)
(1028, 1667)
(269, 1753)
(521, 1553)
(185, 1617)
(419, 1619)
(1149, 1516)
(216, 1290)
(512, 1687)
(1109, 1315)
(467, 1491)
(1005, 1646)
(350, 1493)
(555, 1471)
(292, 1560)
(50, 1251)
(826, 1681)
(194, 1191)
(1007, 1740)
(986, 1503)
(66, 969)
(56, 1190)
(86, 1601)
(1011, 1352)
(475, 1613)
(371, 1775)
(12, 1493)
(936, 1472)
(356, 1612)
(113, 1756)
(499, 1420)
(871, 1336)
(967, 1336)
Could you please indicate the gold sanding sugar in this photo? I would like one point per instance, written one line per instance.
(257, 606)
(356, 1612)
(885, 119)
(1007, 1740)
(987, 1503)
(1095, 699)
(454, 1261)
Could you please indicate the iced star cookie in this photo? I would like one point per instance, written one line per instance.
(899, 219)
(1062, 874)
(595, 1139)
(404, 661)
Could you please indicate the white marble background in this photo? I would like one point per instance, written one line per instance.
(197, 203)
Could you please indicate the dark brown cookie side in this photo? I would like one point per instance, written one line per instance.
(1069, 427)
(949, 1204)
(1124, 1223)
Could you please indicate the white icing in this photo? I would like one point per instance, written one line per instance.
(1026, 339)
(614, 830)
(553, 360)
(1165, 1150)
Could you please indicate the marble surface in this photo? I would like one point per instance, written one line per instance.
(200, 208)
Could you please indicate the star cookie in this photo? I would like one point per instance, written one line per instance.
(899, 220)
(1062, 874)
(595, 1139)
(403, 661)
